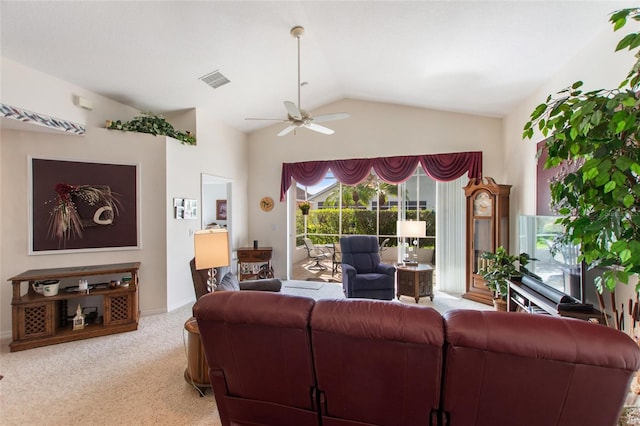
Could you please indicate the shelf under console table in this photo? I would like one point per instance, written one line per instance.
(524, 299)
(39, 320)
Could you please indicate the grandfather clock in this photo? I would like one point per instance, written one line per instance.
(487, 229)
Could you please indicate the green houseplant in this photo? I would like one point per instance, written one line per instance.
(153, 124)
(500, 267)
(593, 140)
(304, 207)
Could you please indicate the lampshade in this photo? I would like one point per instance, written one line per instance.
(411, 228)
(211, 247)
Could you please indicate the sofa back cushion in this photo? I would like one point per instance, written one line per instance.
(377, 362)
(257, 346)
(518, 368)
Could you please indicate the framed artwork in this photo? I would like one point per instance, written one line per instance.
(82, 206)
(178, 208)
(543, 179)
(185, 208)
(221, 209)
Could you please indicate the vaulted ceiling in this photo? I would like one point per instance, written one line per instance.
(479, 57)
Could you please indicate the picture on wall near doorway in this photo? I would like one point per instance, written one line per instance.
(82, 206)
(221, 209)
(185, 208)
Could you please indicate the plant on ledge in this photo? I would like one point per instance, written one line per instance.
(500, 268)
(153, 124)
(593, 138)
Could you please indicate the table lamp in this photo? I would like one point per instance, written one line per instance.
(211, 247)
(411, 229)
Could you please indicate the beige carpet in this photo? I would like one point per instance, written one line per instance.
(133, 378)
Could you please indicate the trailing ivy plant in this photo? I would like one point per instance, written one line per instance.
(592, 137)
(154, 124)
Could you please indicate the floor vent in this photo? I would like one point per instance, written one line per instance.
(215, 79)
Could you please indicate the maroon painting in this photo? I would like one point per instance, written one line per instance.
(79, 205)
(543, 179)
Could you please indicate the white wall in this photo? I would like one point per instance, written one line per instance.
(34, 91)
(373, 130)
(100, 145)
(220, 151)
(167, 168)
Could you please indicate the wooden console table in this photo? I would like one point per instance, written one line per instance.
(39, 320)
(416, 281)
(254, 263)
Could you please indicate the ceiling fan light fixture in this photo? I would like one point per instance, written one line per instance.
(298, 117)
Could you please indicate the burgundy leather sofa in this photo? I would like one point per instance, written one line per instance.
(278, 359)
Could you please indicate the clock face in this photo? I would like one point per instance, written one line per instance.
(266, 204)
(482, 204)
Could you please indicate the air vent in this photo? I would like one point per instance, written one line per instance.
(215, 79)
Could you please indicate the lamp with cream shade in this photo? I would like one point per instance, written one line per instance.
(211, 247)
(411, 229)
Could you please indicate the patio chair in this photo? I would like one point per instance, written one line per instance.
(316, 253)
(337, 258)
(383, 246)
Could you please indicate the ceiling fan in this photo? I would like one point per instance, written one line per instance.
(298, 117)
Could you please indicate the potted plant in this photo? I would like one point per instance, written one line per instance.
(592, 139)
(304, 207)
(500, 267)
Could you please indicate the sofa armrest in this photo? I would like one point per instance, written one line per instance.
(271, 284)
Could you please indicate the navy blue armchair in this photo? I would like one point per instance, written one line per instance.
(363, 275)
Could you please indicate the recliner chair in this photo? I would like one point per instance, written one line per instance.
(363, 274)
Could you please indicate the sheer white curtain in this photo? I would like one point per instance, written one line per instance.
(451, 235)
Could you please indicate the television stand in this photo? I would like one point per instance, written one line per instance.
(523, 299)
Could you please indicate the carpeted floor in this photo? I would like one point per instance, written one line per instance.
(133, 378)
(122, 379)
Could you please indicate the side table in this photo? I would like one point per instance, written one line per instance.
(197, 371)
(416, 281)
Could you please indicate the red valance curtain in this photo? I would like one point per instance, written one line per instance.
(395, 170)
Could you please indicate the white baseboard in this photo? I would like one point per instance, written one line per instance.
(153, 312)
(179, 305)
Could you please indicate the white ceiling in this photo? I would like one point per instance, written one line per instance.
(480, 57)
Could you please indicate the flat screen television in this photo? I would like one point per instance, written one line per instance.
(557, 266)
(557, 269)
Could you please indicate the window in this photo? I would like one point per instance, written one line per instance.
(371, 207)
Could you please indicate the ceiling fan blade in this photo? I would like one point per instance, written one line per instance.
(331, 117)
(286, 130)
(319, 128)
(292, 109)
